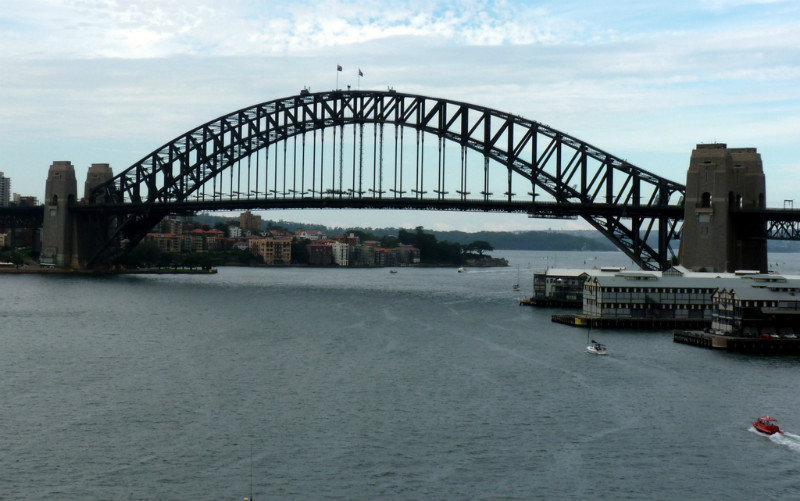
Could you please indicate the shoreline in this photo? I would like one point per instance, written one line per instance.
(61, 271)
(35, 270)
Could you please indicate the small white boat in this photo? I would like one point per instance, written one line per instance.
(597, 348)
(392, 271)
(462, 270)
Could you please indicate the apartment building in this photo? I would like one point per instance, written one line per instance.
(272, 250)
(166, 242)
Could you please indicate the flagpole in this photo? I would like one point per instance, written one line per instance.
(337, 78)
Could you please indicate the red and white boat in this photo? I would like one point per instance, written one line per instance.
(767, 425)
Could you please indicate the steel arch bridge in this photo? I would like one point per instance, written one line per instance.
(276, 155)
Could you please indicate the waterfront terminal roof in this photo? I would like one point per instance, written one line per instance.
(699, 280)
(576, 272)
(765, 293)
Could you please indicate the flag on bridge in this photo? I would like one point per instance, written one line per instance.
(360, 73)
(338, 67)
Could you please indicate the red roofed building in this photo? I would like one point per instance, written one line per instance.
(407, 254)
(166, 242)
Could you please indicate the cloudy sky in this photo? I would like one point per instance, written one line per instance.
(109, 81)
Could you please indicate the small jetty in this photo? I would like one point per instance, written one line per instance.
(771, 346)
(550, 303)
(644, 323)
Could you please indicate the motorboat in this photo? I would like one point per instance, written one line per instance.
(767, 425)
(462, 270)
(597, 348)
(392, 271)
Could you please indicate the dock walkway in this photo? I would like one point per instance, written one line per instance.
(647, 323)
(773, 346)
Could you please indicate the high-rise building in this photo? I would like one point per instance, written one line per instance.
(249, 221)
(5, 190)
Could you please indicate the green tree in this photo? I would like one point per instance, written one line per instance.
(362, 235)
(449, 253)
(425, 242)
(17, 258)
(198, 260)
(143, 255)
(480, 246)
(389, 241)
(299, 250)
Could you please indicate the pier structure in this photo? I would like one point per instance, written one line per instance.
(746, 304)
(764, 346)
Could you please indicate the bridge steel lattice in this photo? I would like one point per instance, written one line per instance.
(275, 155)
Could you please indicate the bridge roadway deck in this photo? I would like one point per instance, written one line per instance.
(541, 209)
(553, 209)
(21, 217)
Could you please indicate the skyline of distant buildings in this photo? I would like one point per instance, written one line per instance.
(274, 245)
(7, 198)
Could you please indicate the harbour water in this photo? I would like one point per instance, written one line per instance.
(361, 384)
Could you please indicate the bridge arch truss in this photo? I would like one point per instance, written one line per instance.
(276, 155)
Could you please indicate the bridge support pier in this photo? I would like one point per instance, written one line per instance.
(720, 178)
(69, 238)
(60, 192)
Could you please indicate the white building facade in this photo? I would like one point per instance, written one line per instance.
(340, 253)
(651, 294)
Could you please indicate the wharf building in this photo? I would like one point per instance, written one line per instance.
(669, 298)
(676, 298)
(762, 316)
(562, 287)
(768, 308)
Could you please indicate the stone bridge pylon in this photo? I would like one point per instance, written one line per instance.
(720, 179)
(68, 237)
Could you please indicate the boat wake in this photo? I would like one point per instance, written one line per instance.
(785, 439)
